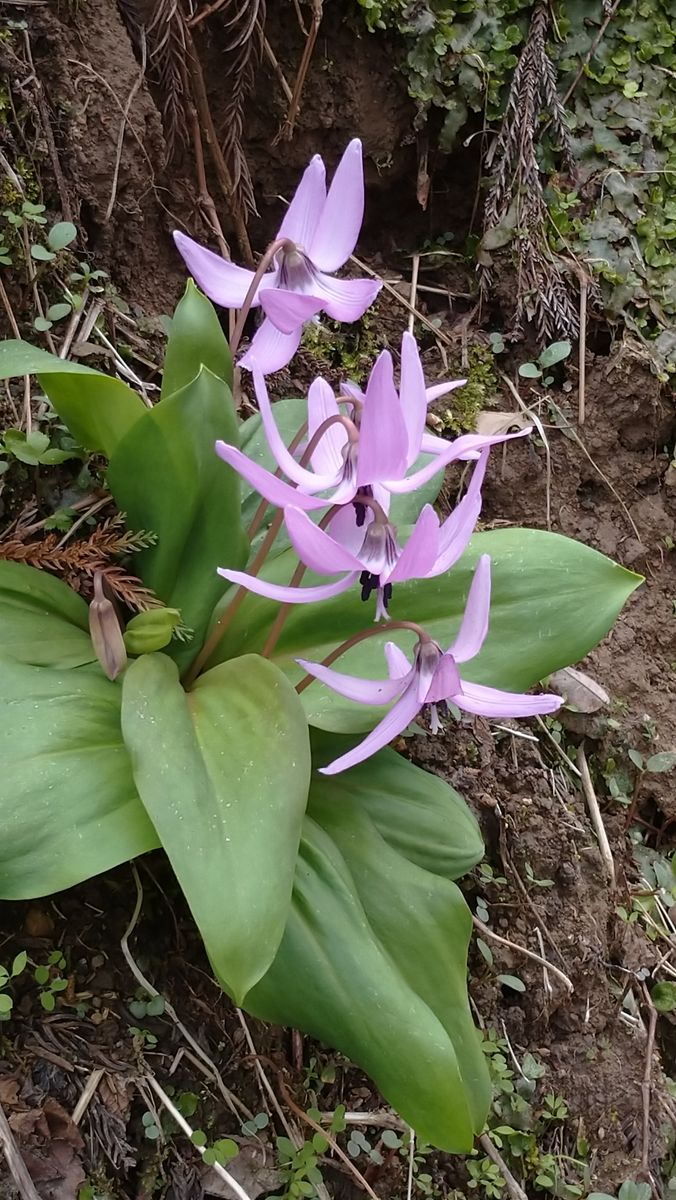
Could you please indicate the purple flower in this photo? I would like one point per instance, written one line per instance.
(370, 550)
(319, 233)
(359, 442)
(433, 681)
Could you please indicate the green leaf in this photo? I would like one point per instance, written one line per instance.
(68, 805)
(6, 1003)
(513, 982)
(41, 253)
(166, 477)
(41, 324)
(195, 340)
(373, 962)
(61, 235)
(97, 409)
(554, 353)
(658, 763)
(43, 622)
(553, 599)
(27, 448)
(57, 312)
(19, 963)
(663, 996)
(529, 370)
(223, 773)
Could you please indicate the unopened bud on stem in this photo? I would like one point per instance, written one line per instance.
(105, 630)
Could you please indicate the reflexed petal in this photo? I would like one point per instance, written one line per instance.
(446, 682)
(463, 447)
(302, 215)
(270, 350)
(457, 529)
(398, 718)
(315, 548)
(353, 687)
(431, 444)
(275, 490)
(337, 230)
(474, 624)
(345, 299)
(437, 390)
(412, 395)
(287, 310)
(383, 440)
(420, 552)
(321, 406)
(398, 665)
(222, 281)
(288, 595)
(309, 481)
(490, 702)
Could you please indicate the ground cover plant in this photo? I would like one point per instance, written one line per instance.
(243, 723)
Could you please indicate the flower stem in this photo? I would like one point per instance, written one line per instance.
(235, 604)
(278, 244)
(375, 631)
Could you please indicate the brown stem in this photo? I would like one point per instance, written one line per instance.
(235, 604)
(361, 637)
(278, 244)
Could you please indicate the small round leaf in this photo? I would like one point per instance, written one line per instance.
(61, 235)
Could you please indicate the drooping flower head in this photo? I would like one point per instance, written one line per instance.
(316, 238)
(431, 681)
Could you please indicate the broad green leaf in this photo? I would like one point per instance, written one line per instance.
(223, 772)
(68, 804)
(554, 353)
(195, 340)
(166, 477)
(97, 408)
(553, 600)
(373, 962)
(418, 814)
(61, 235)
(43, 622)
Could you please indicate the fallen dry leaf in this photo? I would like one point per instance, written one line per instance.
(580, 692)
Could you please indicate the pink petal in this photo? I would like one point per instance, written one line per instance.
(437, 390)
(431, 444)
(398, 718)
(222, 281)
(490, 702)
(337, 230)
(270, 350)
(457, 529)
(288, 595)
(287, 310)
(346, 532)
(345, 299)
(315, 548)
(309, 481)
(302, 215)
(412, 395)
(420, 552)
(398, 665)
(446, 681)
(321, 406)
(383, 440)
(275, 490)
(461, 448)
(474, 625)
(353, 687)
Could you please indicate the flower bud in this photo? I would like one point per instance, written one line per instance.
(105, 631)
(151, 631)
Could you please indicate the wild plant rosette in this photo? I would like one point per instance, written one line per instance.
(329, 607)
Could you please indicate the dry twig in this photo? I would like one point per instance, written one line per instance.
(646, 1084)
(294, 104)
(515, 1190)
(595, 815)
(496, 937)
(15, 1163)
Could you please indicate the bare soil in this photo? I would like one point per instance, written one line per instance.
(615, 492)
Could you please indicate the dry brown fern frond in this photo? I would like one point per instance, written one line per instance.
(244, 22)
(76, 562)
(157, 30)
(516, 196)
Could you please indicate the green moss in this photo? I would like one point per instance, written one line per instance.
(350, 349)
(459, 412)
